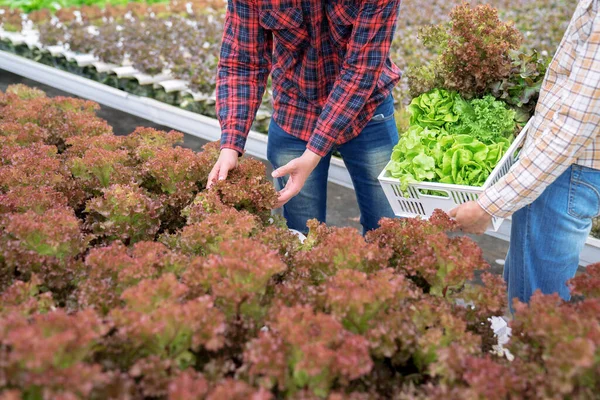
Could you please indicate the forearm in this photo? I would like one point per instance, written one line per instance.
(539, 166)
(242, 73)
(237, 106)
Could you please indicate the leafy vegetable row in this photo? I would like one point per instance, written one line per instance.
(122, 277)
(55, 5)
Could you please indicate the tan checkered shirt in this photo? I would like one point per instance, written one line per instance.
(566, 126)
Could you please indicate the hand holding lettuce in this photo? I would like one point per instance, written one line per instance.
(452, 140)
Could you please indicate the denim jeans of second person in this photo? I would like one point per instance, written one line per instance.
(365, 157)
(548, 235)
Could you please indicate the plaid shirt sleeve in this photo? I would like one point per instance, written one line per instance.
(366, 55)
(569, 129)
(243, 70)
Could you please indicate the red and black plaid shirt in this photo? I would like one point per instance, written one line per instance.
(329, 62)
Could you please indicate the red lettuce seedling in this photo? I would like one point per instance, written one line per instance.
(146, 143)
(98, 168)
(189, 384)
(232, 389)
(474, 51)
(328, 251)
(50, 240)
(588, 283)
(357, 299)
(25, 298)
(175, 169)
(24, 92)
(37, 165)
(23, 134)
(78, 146)
(37, 199)
(246, 188)
(49, 351)
(439, 264)
(205, 237)
(560, 343)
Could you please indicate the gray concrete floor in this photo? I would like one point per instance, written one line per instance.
(342, 209)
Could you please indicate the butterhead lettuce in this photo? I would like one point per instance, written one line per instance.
(433, 109)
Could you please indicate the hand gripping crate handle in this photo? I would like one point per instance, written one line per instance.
(421, 203)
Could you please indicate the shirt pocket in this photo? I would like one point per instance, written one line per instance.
(287, 25)
(342, 17)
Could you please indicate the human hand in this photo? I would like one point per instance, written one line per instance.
(471, 217)
(299, 169)
(228, 160)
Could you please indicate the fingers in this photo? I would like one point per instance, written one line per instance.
(452, 213)
(476, 229)
(287, 193)
(223, 172)
(219, 172)
(213, 175)
(283, 171)
(283, 197)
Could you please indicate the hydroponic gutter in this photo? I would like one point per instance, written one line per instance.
(161, 113)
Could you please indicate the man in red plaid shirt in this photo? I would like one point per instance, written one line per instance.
(332, 83)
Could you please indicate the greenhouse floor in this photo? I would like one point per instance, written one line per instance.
(342, 207)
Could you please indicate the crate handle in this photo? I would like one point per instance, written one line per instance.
(441, 194)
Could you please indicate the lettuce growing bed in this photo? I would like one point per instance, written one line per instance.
(123, 277)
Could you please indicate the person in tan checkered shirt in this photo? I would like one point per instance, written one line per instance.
(553, 191)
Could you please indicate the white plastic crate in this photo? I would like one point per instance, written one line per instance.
(416, 203)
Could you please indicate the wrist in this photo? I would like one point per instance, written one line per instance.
(230, 153)
(483, 208)
(311, 157)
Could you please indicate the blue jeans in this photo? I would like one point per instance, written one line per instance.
(548, 235)
(365, 157)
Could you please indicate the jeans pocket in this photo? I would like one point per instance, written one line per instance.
(384, 112)
(584, 193)
(379, 118)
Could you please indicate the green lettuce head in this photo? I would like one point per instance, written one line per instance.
(434, 109)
